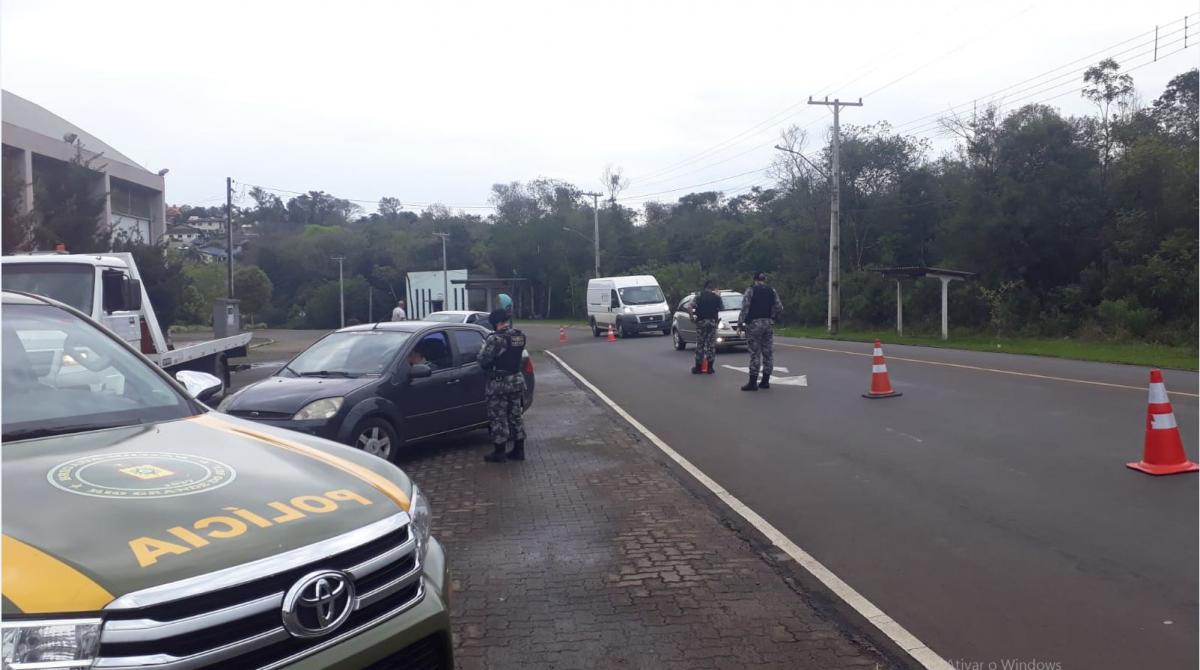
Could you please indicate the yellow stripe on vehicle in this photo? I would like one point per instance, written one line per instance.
(38, 583)
(384, 485)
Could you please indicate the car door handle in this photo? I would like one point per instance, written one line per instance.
(453, 381)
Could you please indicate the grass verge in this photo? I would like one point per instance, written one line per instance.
(1134, 353)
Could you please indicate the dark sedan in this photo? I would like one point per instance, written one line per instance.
(379, 386)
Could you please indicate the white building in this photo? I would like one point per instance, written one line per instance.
(182, 236)
(35, 138)
(426, 292)
(206, 224)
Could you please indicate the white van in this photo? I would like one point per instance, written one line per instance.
(629, 304)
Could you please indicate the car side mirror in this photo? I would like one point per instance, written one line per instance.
(419, 371)
(199, 385)
(121, 294)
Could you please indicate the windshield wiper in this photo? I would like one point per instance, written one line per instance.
(326, 373)
(31, 433)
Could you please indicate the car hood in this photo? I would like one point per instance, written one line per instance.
(91, 517)
(730, 315)
(287, 395)
(653, 308)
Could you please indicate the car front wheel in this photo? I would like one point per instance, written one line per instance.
(680, 345)
(376, 437)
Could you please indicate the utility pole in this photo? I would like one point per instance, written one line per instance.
(229, 230)
(341, 290)
(835, 204)
(595, 230)
(445, 272)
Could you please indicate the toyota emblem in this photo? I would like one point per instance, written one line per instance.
(318, 604)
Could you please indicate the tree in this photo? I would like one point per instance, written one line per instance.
(389, 207)
(1104, 85)
(253, 288)
(17, 234)
(69, 204)
(614, 181)
(1175, 111)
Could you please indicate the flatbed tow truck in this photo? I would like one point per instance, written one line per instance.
(108, 288)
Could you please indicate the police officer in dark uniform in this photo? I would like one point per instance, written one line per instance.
(761, 308)
(706, 311)
(500, 358)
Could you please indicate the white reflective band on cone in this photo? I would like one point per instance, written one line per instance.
(1162, 421)
(875, 369)
(877, 352)
(1158, 394)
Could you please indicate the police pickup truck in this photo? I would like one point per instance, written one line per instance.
(141, 530)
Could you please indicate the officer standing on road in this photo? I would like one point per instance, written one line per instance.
(500, 358)
(706, 310)
(398, 314)
(761, 308)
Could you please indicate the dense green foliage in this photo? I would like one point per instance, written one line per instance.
(1076, 226)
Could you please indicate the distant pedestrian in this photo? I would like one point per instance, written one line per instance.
(398, 314)
(761, 308)
(500, 358)
(706, 311)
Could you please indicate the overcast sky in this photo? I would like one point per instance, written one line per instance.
(435, 102)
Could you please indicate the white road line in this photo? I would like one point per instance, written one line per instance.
(977, 368)
(799, 380)
(889, 627)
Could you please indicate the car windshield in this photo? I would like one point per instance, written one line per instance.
(63, 375)
(444, 317)
(731, 302)
(65, 282)
(641, 295)
(353, 353)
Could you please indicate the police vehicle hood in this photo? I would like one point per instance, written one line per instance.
(90, 517)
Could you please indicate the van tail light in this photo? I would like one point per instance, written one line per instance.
(528, 365)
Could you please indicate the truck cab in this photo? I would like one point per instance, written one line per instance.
(107, 288)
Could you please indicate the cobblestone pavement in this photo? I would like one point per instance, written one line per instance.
(591, 554)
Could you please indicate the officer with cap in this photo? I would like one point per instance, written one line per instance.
(761, 308)
(500, 358)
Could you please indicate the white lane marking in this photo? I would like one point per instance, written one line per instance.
(911, 437)
(800, 380)
(889, 627)
(983, 369)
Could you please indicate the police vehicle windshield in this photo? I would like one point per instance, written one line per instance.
(354, 353)
(641, 295)
(63, 375)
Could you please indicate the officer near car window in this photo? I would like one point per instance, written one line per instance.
(500, 358)
(761, 308)
(706, 311)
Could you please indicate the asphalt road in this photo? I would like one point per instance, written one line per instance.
(990, 513)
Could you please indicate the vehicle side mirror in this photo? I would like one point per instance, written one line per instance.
(121, 294)
(199, 385)
(419, 371)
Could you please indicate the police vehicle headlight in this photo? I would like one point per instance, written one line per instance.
(324, 408)
(422, 519)
(50, 644)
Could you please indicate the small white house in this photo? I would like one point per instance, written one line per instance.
(427, 292)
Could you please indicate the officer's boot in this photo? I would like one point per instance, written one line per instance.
(696, 367)
(751, 385)
(712, 365)
(498, 455)
(518, 451)
(766, 381)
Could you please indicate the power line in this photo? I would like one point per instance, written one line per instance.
(1088, 59)
(413, 203)
(684, 188)
(936, 123)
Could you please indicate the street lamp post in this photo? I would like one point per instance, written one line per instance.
(445, 273)
(341, 290)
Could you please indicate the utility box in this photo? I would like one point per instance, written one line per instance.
(227, 317)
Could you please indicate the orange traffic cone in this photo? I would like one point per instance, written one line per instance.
(611, 337)
(562, 333)
(881, 385)
(704, 365)
(1163, 452)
